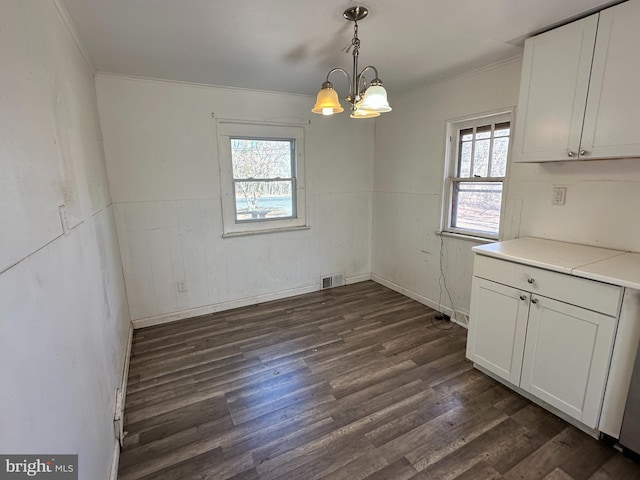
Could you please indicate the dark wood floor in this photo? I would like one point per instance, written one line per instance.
(356, 382)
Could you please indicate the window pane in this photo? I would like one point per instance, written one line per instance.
(499, 156)
(464, 166)
(483, 132)
(466, 134)
(254, 158)
(481, 158)
(476, 206)
(259, 200)
(502, 130)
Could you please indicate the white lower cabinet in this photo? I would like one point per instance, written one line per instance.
(497, 332)
(557, 351)
(566, 357)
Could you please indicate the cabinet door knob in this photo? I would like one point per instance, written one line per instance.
(534, 300)
(530, 280)
(583, 153)
(523, 297)
(571, 154)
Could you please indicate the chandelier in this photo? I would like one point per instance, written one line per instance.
(367, 99)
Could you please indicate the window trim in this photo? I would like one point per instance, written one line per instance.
(228, 129)
(452, 146)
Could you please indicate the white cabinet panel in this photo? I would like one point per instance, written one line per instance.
(566, 357)
(610, 124)
(497, 328)
(542, 331)
(579, 96)
(553, 92)
(597, 296)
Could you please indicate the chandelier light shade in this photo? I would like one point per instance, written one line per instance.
(375, 99)
(327, 102)
(367, 99)
(359, 112)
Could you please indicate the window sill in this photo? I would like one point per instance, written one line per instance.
(264, 231)
(469, 238)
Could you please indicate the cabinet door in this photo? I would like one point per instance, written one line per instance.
(566, 357)
(553, 92)
(497, 328)
(611, 119)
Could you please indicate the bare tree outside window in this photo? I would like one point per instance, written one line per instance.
(264, 178)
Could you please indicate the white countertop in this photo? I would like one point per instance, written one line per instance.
(623, 270)
(595, 263)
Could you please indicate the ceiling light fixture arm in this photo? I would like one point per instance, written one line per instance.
(361, 83)
(329, 84)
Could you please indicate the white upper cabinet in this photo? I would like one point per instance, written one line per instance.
(611, 119)
(579, 92)
(553, 92)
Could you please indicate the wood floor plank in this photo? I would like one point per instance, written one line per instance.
(617, 468)
(351, 383)
(587, 460)
(192, 467)
(466, 452)
(359, 467)
(550, 456)
(447, 433)
(558, 474)
(480, 471)
(399, 470)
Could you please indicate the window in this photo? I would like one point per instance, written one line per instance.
(262, 177)
(478, 152)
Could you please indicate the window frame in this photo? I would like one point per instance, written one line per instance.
(234, 129)
(451, 174)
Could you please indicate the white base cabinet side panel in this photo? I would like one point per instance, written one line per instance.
(553, 92)
(624, 351)
(611, 118)
(497, 328)
(566, 358)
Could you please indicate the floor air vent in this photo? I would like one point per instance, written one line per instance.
(332, 281)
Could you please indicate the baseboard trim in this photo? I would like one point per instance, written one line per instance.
(219, 307)
(113, 475)
(118, 422)
(357, 279)
(242, 302)
(125, 378)
(454, 314)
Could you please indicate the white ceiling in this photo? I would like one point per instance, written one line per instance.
(289, 45)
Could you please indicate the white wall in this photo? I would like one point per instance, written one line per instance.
(162, 161)
(602, 205)
(409, 170)
(603, 197)
(63, 311)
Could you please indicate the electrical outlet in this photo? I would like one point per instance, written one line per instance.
(182, 286)
(559, 196)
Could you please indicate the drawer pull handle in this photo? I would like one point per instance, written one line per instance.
(530, 280)
(523, 297)
(534, 300)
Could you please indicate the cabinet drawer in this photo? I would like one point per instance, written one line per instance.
(589, 294)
